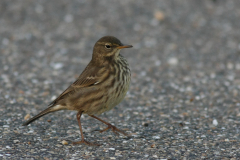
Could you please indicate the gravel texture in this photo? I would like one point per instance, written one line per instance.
(183, 101)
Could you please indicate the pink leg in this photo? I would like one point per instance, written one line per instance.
(114, 129)
(80, 127)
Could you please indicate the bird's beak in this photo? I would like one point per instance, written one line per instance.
(124, 46)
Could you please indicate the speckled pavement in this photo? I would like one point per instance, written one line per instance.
(183, 102)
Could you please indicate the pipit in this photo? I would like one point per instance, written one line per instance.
(101, 86)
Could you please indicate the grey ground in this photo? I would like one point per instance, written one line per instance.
(184, 97)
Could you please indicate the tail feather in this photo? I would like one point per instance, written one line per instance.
(46, 111)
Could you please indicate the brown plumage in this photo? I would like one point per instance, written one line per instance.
(102, 85)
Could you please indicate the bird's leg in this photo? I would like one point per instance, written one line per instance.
(82, 137)
(114, 129)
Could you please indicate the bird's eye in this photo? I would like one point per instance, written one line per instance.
(107, 46)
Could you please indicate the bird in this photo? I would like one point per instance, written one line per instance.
(101, 86)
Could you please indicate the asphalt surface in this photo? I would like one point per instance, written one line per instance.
(183, 102)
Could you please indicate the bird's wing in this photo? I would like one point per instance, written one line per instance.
(89, 77)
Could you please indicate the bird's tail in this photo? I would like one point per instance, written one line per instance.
(46, 111)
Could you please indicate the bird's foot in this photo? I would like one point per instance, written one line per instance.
(114, 129)
(85, 142)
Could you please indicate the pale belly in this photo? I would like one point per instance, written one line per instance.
(113, 96)
(117, 98)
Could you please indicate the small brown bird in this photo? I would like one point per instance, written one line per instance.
(102, 85)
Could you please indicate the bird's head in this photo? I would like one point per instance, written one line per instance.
(108, 47)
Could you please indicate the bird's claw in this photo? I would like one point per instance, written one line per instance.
(85, 142)
(114, 129)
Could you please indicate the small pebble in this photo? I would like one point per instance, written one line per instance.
(156, 137)
(215, 122)
(64, 142)
(15, 141)
(113, 149)
(57, 65)
(153, 146)
(155, 156)
(159, 15)
(173, 61)
(68, 18)
(27, 117)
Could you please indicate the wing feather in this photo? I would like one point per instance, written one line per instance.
(90, 76)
